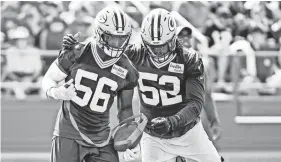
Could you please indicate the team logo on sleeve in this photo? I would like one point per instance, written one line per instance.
(176, 68)
(119, 71)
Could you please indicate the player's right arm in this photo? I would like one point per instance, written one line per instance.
(195, 92)
(51, 80)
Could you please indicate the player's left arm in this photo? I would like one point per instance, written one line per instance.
(209, 106)
(195, 93)
(124, 104)
(125, 96)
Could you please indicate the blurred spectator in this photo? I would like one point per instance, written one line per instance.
(51, 34)
(81, 21)
(189, 9)
(219, 32)
(31, 17)
(259, 40)
(241, 26)
(23, 62)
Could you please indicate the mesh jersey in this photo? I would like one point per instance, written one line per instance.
(162, 87)
(96, 88)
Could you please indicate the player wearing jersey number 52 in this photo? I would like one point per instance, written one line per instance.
(171, 92)
(94, 73)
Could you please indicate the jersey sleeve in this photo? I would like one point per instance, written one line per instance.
(195, 77)
(193, 64)
(67, 58)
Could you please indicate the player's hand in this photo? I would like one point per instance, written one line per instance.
(132, 154)
(69, 41)
(161, 125)
(215, 130)
(64, 92)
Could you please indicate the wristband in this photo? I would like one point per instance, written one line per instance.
(174, 122)
(49, 96)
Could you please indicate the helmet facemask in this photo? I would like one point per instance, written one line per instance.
(112, 45)
(160, 53)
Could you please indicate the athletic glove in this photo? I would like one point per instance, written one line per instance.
(131, 154)
(164, 125)
(64, 92)
(69, 41)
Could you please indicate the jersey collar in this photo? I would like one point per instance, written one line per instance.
(102, 64)
(162, 64)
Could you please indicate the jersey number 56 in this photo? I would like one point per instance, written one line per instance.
(88, 91)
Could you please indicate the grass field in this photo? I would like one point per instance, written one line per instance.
(27, 131)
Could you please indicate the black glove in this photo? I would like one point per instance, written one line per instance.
(69, 41)
(161, 125)
(164, 125)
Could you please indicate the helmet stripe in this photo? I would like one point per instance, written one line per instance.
(158, 25)
(116, 19)
(152, 27)
(123, 21)
(119, 18)
(155, 26)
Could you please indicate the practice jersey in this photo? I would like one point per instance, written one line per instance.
(162, 86)
(96, 83)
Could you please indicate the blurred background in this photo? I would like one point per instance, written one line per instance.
(240, 43)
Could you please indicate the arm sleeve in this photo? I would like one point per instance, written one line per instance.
(195, 93)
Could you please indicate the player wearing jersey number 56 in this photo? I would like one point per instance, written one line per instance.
(94, 73)
(171, 92)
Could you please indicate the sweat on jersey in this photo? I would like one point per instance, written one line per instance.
(97, 82)
(175, 86)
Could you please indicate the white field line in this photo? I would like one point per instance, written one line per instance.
(258, 119)
(25, 155)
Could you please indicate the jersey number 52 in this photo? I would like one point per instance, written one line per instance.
(163, 93)
(88, 91)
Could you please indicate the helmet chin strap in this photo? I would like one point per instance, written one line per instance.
(111, 53)
(161, 59)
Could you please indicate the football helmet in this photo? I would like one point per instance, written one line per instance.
(158, 33)
(112, 31)
(129, 132)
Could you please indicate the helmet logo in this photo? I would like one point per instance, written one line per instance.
(102, 18)
(171, 24)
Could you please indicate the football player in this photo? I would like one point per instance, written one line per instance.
(210, 118)
(171, 90)
(94, 73)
